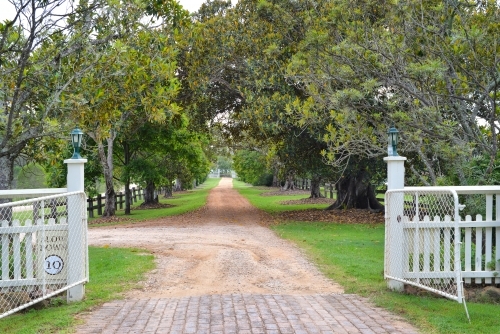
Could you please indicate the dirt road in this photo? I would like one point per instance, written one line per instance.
(220, 249)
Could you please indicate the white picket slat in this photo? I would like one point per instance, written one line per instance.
(437, 249)
(427, 249)
(5, 252)
(446, 249)
(416, 247)
(468, 249)
(479, 247)
(488, 235)
(16, 251)
(28, 245)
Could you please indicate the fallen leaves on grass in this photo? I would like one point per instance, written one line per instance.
(153, 206)
(106, 220)
(308, 200)
(285, 192)
(349, 216)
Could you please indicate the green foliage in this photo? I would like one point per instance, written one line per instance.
(307, 82)
(479, 169)
(367, 66)
(251, 167)
(225, 164)
(169, 11)
(31, 53)
(30, 176)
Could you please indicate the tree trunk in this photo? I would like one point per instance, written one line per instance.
(168, 191)
(290, 183)
(315, 187)
(178, 185)
(6, 172)
(128, 193)
(276, 182)
(149, 194)
(355, 192)
(107, 165)
(6, 177)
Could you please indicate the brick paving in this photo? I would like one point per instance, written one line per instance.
(244, 314)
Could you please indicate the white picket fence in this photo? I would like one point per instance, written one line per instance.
(43, 249)
(432, 244)
(483, 266)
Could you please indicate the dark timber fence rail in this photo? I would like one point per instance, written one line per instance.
(97, 203)
(93, 204)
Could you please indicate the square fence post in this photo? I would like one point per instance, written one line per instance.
(393, 234)
(77, 246)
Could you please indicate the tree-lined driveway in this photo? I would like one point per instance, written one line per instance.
(220, 270)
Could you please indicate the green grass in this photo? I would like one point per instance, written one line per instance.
(112, 271)
(271, 204)
(182, 203)
(353, 256)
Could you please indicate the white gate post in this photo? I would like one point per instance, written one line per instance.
(394, 245)
(77, 254)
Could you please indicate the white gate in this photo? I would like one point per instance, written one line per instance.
(43, 249)
(423, 240)
(433, 242)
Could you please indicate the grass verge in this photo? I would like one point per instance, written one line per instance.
(271, 204)
(181, 203)
(353, 256)
(112, 271)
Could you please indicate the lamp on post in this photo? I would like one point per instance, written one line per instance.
(393, 135)
(76, 140)
(394, 204)
(77, 255)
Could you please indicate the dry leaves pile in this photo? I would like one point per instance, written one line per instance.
(327, 201)
(153, 206)
(283, 192)
(351, 216)
(105, 220)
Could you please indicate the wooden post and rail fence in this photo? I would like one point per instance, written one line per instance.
(97, 203)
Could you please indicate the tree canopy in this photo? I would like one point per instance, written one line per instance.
(305, 88)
